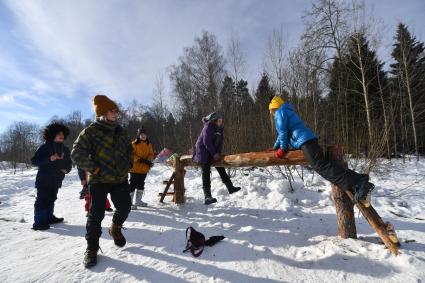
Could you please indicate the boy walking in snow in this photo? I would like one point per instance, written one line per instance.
(142, 163)
(103, 149)
(53, 161)
(292, 132)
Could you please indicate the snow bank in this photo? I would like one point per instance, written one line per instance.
(272, 235)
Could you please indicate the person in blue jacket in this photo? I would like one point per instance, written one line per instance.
(54, 161)
(291, 132)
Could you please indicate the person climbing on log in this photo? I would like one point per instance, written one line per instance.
(291, 131)
(209, 148)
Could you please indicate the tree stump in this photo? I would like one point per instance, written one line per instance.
(344, 206)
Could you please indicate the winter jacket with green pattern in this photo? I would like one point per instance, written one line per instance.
(103, 145)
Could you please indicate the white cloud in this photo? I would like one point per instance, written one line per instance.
(118, 46)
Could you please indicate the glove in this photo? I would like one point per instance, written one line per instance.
(145, 161)
(280, 153)
(216, 156)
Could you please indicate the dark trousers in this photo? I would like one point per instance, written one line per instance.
(46, 196)
(206, 178)
(44, 204)
(137, 181)
(334, 173)
(120, 196)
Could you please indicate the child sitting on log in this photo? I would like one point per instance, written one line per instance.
(291, 131)
(208, 148)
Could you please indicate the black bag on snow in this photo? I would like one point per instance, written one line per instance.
(196, 241)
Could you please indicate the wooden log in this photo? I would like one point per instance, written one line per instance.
(344, 206)
(257, 159)
(378, 224)
(179, 181)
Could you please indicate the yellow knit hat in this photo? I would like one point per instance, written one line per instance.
(103, 104)
(276, 102)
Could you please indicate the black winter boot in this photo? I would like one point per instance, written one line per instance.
(208, 198)
(55, 220)
(232, 189)
(40, 226)
(115, 232)
(90, 256)
(362, 190)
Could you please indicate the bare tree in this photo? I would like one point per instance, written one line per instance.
(275, 60)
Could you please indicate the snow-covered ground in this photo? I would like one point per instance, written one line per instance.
(272, 235)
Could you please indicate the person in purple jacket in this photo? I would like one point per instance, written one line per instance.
(209, 148)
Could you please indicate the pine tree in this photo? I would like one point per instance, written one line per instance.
(263, 124)
(409, 72)
(358, 85)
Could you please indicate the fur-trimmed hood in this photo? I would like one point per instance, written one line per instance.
(53, 129)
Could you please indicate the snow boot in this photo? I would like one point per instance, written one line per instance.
(139, 202)
(362, 191)
(232, 189)
(52, 219)
(210, 200)
(55, 220)
(90, 256)
(40, 219)
(115, 232)
(40, 227)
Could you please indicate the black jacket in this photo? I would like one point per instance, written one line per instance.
(49, 172)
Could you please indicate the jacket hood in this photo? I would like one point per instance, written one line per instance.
(53, 129)
(287, 106)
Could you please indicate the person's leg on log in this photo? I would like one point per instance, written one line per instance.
(344, 178)
(226, 180)
(206, 183)
(292, 132)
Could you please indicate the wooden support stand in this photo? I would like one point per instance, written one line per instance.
(179, 181)
(167, 186)
(343, 204)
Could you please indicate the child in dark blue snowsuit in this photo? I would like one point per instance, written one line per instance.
(53, 161)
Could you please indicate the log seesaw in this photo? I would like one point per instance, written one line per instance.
(343, 199)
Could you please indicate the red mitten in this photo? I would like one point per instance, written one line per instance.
(280, 153)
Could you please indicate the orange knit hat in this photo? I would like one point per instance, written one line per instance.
(103, 104)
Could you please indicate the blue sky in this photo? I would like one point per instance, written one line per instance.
(55, 55)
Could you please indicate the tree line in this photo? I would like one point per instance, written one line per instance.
(334, 78)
